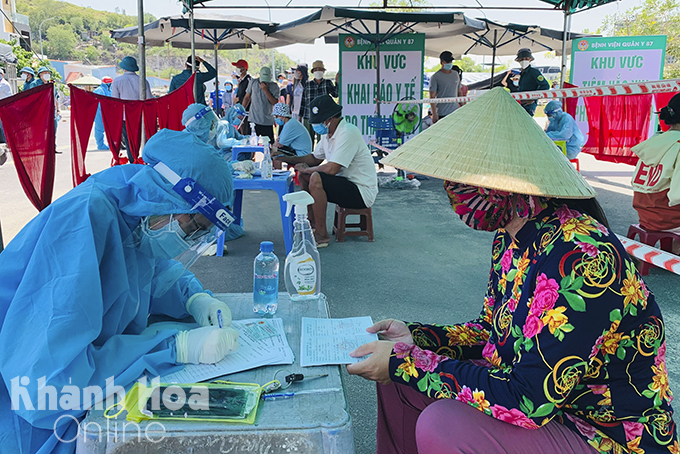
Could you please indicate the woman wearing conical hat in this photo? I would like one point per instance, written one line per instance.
(568, 353)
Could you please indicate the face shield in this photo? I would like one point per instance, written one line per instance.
(187, 236)
(182, 237)
(203, 124)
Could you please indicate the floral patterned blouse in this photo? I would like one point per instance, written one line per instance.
(568, 331)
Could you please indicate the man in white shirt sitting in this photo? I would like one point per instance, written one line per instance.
(340, 170)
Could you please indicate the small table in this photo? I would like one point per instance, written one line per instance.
(304, 424)
(282, 185)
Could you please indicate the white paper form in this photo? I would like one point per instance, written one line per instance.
(251, 353)
(327, 341)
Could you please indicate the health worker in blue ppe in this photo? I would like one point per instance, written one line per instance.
(81, 279)
(227, 131)
(201, 122)
(563, 127)
(105, 90)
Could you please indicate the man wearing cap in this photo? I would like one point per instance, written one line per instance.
(5, 92)
(444, 84)
(28, 76)
(243, 82)
(293, 137)
(126, 86)
(317, 86)
(530, 79)
(201, 77)
(346, 178)
(261, 95)
(104, 90)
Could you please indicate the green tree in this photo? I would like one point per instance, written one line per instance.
(61, 41)
(653, 17)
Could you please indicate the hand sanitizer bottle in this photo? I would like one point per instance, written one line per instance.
(303, 268)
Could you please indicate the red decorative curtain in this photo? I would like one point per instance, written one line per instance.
(569, 104)
(28, 121)
(661, 100)
(617, 123)
(163, 112)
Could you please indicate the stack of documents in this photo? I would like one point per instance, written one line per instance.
(262, 342)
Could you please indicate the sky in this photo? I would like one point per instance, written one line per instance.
(590, 20)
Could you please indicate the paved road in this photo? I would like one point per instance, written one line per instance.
(425, 265)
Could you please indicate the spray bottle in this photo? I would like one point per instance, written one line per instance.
(303, 268)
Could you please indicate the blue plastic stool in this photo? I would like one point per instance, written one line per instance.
(282, 184)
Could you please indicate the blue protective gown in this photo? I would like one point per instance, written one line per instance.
(105, 90)
(75, 295)
(228, 131)
(564, 127)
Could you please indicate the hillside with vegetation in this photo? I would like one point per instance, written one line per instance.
(80, 33)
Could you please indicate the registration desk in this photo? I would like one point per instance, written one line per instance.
(310, 423)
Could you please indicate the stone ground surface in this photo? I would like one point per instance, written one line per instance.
(425, 265)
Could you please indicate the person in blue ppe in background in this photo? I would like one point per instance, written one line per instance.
(45, 77)
(530, 79)
(562, 126)
(293, 139)
(200, 121)
(105, 90)
(28, 76)
(81, 279)
(227, 132)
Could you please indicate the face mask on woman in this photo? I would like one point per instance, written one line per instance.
(489, 209)
(228, 88)
(298, 75)
(278, 121)
(46, 77)
(447, 66)
(318, 75)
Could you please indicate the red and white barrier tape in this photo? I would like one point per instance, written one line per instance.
(659, 86)
(649, 254)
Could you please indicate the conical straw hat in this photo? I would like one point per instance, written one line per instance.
(492, 143)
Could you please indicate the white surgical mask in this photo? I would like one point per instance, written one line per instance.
(24, 77)
(524, 64)
(298, 75)
(318, 75)
(46, 77)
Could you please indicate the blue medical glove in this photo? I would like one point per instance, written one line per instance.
(204, 308)
(206, 345)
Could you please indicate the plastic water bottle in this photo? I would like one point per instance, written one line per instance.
(266, 280)
(267, 166)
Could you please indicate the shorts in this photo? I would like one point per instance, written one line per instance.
(341, 191)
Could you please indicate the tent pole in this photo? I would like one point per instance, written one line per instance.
(142, 50)
(193, 50)
(218, 108)
(377, 64)
(142, 63)
(565, 37)
(493, 56)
